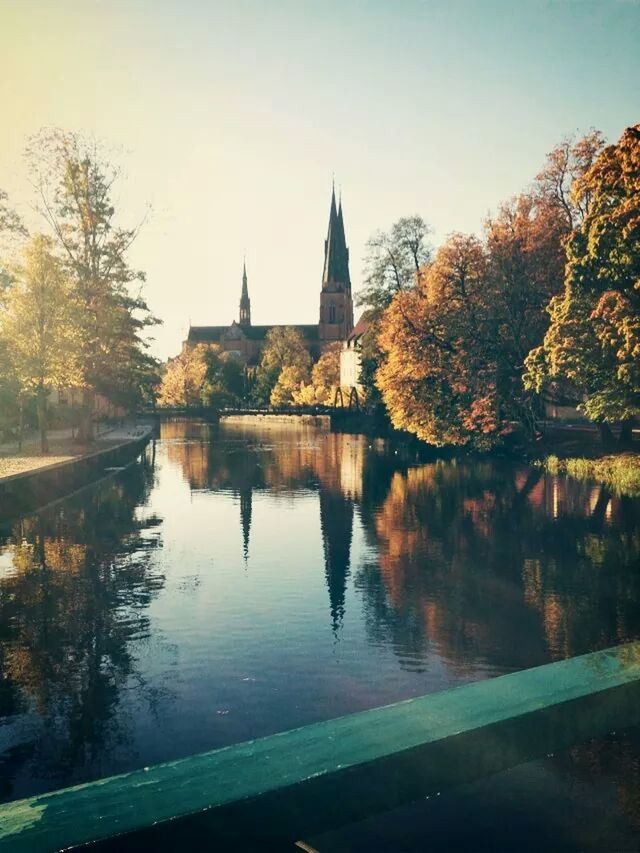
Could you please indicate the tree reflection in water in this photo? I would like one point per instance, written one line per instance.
(73, 595)
(435, 572)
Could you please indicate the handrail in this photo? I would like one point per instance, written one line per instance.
(308, 779)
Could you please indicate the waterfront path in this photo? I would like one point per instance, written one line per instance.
(62, 448)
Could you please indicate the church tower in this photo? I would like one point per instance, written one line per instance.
(336, 304)
(245, 302)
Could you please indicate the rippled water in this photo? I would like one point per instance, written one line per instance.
(245, 580)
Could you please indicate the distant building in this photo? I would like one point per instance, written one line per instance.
(335, 321)
(351, 357)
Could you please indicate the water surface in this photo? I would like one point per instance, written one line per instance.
(244, 580)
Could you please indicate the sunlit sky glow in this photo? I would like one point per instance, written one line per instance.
(232, 117)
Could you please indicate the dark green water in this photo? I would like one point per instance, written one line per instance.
(243, 581)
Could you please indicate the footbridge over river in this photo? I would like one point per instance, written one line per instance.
(306, 414)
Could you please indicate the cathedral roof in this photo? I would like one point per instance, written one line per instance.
(213, 334)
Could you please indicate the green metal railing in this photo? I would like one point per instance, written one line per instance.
(301, 782)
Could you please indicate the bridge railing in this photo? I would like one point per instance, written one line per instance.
(308, 780)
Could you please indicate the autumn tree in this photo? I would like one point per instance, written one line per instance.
(325, 380)
(284, 347)
(75, 182)
(438, 378)
(394, 262)
(525, 267)
(183, 379)
(593, 342)
(290, 381)
(40, 326)
(12, 232)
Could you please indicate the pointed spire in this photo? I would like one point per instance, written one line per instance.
(245, 302)
(336, 254)
(336, 526)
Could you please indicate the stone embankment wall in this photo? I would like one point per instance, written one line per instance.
(29, 490)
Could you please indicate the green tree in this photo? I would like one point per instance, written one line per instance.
(74, 181)
(593, 342)
(394, 261)
(284, 347)
(224, 379)
(40, 325)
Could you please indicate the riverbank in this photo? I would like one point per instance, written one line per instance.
(619, 472)
(63, 448)
(29, 480)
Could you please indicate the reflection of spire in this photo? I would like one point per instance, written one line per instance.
(245, 518)
(336, 523)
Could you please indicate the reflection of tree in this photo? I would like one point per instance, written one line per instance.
(242, 459)
(74, 601)
(469, 554)
(473, 555)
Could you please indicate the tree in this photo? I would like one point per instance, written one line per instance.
(394, 261)
(11, 230)
(224, 379)
(566, 164)
(183, 378)
(291, 378)
(593, 342)
(525, 269)
(40, 326)
(438, 376)
(325, 379)
(74, 181)
(284, 347)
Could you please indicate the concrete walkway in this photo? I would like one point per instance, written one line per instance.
(62, 448)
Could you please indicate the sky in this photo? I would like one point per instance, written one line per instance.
(231, 118)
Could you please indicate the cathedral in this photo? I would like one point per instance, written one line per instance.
(335, 321)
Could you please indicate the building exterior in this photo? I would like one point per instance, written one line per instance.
(351, 357)
(335, 321)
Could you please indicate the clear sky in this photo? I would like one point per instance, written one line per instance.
(232, 117)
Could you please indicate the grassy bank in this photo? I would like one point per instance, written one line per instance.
(621, 473)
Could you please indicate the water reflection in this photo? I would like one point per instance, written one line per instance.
(259, 578)
(463, 556)
(74, 587)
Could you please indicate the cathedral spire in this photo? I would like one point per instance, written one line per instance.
(245, 302)
(336, 254)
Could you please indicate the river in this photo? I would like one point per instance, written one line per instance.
(242, 580)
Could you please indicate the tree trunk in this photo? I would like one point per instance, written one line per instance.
(626, 433)
(606, 436)
(85, 423)
(42, 419)
(21, 425)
